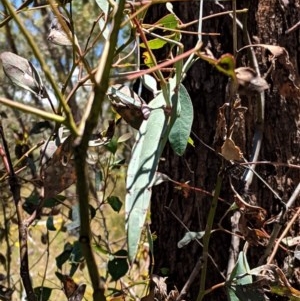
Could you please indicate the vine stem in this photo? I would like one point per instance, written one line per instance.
(206, 237)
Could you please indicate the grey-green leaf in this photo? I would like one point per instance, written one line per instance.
(181, 129)
(22, 73)
(150, 142)
(238, 276)
(188, 237)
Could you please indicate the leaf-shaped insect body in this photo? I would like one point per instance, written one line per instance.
(58, 35)
(22, 73)
(129, 105)
(249, 81)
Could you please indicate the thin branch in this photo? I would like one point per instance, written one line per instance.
(88, 123)
(15, 188)
(32, 110)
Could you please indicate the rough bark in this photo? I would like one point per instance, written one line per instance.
(268, 20)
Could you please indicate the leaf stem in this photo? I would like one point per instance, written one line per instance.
(207, 234)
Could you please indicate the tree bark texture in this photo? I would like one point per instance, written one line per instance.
(267, 22)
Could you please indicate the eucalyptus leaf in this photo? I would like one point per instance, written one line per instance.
(42, 293)
(50, 223)
(104, 6)
(188, 237)
(57, 33)
(115, 203)
(154, 44)
(169, 21)
(22, 73)
(240, 269)
(150, 83)
(146, 152)
(180, 132)
(118, 265)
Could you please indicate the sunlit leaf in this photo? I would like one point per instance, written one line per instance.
(226, 65)
(160, 178)
(150, 142)
(188, 237)
(191, 142)
(147, 59)
(104, 5)
(230, 151)
(150, 83)
(58, 35)
(249, 81)
(181, 129)
(169, 21)
(22, 73)
(154, 44)
(75, 224)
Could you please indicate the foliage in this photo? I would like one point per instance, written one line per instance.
(71, 192)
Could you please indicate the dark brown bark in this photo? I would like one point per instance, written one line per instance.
(268, 20)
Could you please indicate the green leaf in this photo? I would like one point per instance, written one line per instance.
(92, 211)
(168, 21)
(181, 129)
(188, 237)
(146, 152)
(154, 44)
(100, 249)
(191, 142)
(50, 223)
(115, 203)
(112, 146)
(250, 292)
(64, 256)
(42, 293)
(238, 276)
(118, 266)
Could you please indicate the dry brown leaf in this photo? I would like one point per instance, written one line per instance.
(59, 173)
(249, 81)
(230, 151)
(274, 49)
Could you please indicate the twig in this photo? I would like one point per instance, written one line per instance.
(197, 240)
(15, 188)
(270, 259)
(278, 226)
(191, 279)
(293, 28)
(206, 237)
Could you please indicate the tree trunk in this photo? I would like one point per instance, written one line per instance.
(172, 212)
